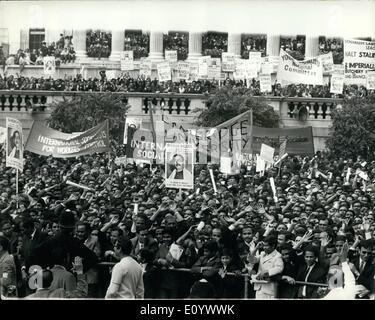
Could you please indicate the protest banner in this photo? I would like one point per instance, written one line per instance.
(256, 59)
(164, 71)
(228, 63)
(291, 70)
(194, 72)
(183, 70)
(134, 123)
(337, 83)
(359, 56)
(146, 68)
(300, 140)
(370, 80)
(141, 146)
(327, 62)
(2, 135)
(45, 141)
(251, 71)
(126, 61)
(265, 82)
(282, 147)
(49, 66)
(274, 61)
(266, 153)
(214, 72)
(14, 144)
(179, 166)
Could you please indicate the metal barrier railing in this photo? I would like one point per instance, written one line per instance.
(246, 278)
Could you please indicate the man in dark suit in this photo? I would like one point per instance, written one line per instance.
(310, 271)
(71, 246)
(32, 238)
(364, 265)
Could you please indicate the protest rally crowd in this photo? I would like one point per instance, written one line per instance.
(125, 83)
(319, 225)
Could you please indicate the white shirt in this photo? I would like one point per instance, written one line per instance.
(126, 280)
(307, 275)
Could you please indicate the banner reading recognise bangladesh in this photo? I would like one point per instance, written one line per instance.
(46, 141)
(293, 71)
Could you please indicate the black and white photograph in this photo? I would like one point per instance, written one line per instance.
(104, 195)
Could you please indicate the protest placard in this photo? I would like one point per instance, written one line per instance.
(49, 66)
(203, 63)
(126, 61)
(327, 62)
(134, 123)
(359, 57)
(164, 71)
(291, 70)
(194, 72)
(228, 63)
(266, 68)
(274, 61)
(260, 164)
(370, 83)
(265, 82)
(337, 83)
(256, 59)
(179, 166)
(146, 68)
(214, 72)
(266, 153)
(183, 70)
(338, 69)
(14, 144)
(171, 57)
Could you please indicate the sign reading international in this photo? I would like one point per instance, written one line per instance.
(359, 56)
(291, 70)
(179, 166)
(14, 145)
(49, 142)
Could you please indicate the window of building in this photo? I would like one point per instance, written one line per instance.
(36, 37)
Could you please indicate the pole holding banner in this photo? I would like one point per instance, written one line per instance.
(213, 180)
(17, 188)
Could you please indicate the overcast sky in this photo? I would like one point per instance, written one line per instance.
(342, 18)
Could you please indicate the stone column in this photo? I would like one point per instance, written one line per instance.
(118, 42)
(156, 46)
(311, 47)
(195, 45)
(234, 44)
(79, 42)
(273, 45)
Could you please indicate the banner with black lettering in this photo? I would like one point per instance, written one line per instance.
(291, 70)
(359, 56)
(49, 142)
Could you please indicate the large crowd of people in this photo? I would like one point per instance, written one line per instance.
(125, 83)
(295, 46)
(137, 42)
(319, 228)
(98, 44)
(214, 44)
(177, 41)
(253, 43)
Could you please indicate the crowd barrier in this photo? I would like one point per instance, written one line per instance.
(246, 278)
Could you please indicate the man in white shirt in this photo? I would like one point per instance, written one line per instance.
(127, 275)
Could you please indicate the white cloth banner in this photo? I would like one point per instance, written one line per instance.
(49, 66)
(337, 83)
(265, 82)
(359, 56)
(291, 70)
(146, 68)
(370, 84)
(126, 61)
(327, 61)
(164, 71)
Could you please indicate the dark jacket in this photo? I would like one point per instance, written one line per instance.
(318, 275)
